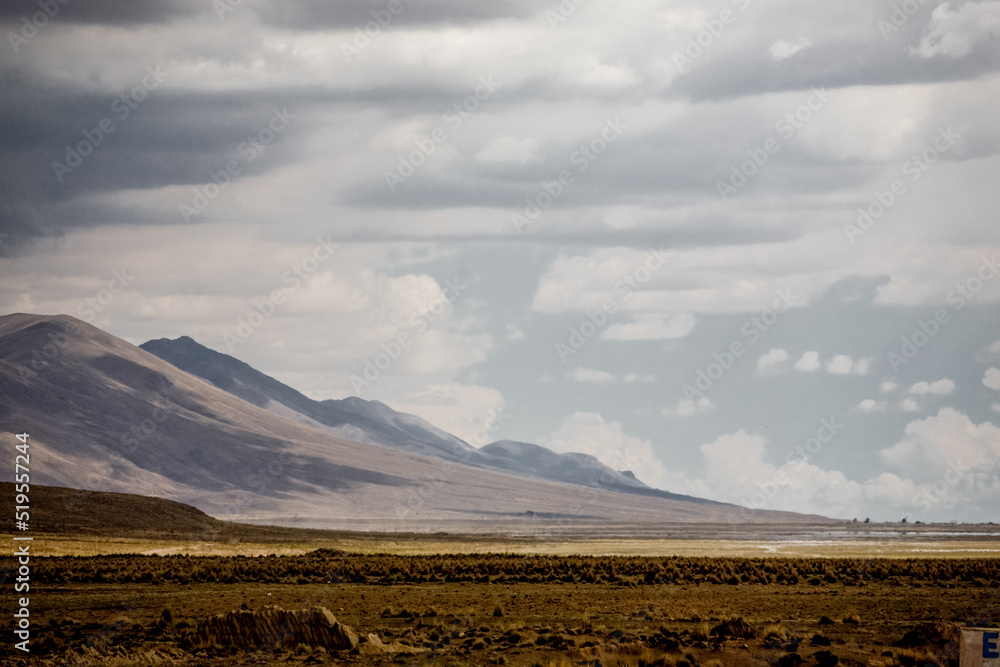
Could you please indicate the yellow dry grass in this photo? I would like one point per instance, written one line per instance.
(55, 545)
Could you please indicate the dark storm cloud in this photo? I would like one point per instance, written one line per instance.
(171, 137)
(167, 139)
(740, 64)
(833, 67)
(324, 15)
(682, 162)
(295, 14)
(105, 12)
(177, 137)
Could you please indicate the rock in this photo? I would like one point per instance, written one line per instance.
(273, 627)
(790, 660)
(374, 646)
(820, 640)
(936, 634)
(826, 659)
(736, 628)
(825, 620)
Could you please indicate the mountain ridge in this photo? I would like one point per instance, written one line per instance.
(105, 415)
(374, 422)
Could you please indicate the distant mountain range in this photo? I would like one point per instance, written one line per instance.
(105, 415)
(376, 423)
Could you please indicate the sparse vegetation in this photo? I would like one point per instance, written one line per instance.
(451, 623)
(502, 608)
(511, 569)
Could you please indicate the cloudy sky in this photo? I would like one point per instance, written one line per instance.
(745, 248)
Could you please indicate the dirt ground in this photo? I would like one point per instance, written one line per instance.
(468, 623)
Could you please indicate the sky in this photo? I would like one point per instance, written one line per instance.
(746, 249)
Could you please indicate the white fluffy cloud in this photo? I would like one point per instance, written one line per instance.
(467, 411)
(953, 33)
(651, 326)
(839, 365)
(842, 364)
(773, 362)
(736, 459)
(591, 375)
(589, 433)
(992, 378)
(715, 280)
(871, 405)
(931, 444)
(689, 407)
(809, 361)
(784, 48)
(941, 387)
(737, 470)
(862, 366)
(888, 386)
(909, 405)
(945, 465)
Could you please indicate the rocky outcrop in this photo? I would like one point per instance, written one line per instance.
(273, 627)
(375, 646)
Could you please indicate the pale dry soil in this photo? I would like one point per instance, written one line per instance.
(56, 545)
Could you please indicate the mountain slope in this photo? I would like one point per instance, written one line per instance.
(376, 423)
(105, 415)
(354, 418)
(575, 468)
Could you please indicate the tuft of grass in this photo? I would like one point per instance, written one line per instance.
(777, 630)
(703, 632)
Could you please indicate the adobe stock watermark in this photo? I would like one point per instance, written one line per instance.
(392, 350)
(900, 16)
(587, 496)
(91, 306)
(30, 25)
(914, 168)
(581, 158)
(623, 291)
(265, 475)
(563, 11)
(43, 357)
(121, 108)
(223, 7)
(958, 297)
(454, 117)
(364, 35)
(265, 307)
(753, 329)
(797, 458)
(419, 497)
(144, 429)
(932, 494)
(698, 45)
(248, 151)
(787, 125)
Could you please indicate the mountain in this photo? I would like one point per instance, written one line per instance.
(524, 458)
(375, 422)
(105, 415)
(353, 418)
